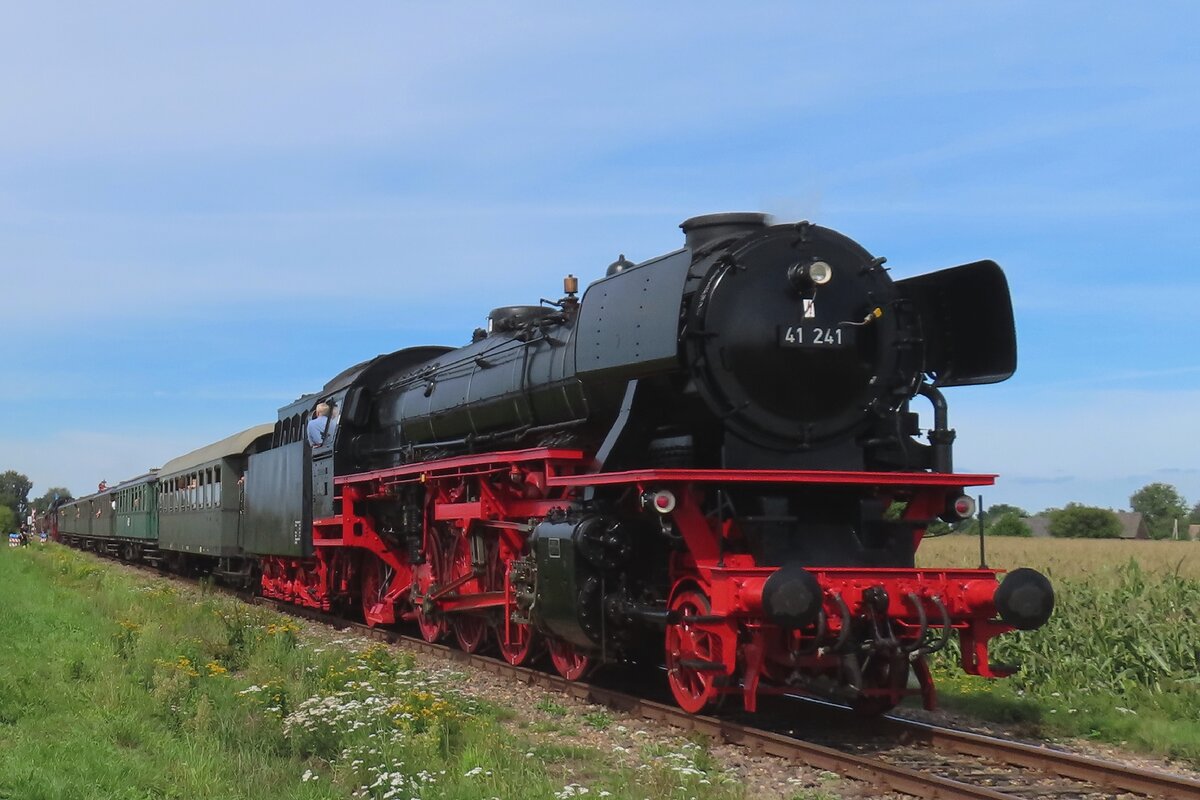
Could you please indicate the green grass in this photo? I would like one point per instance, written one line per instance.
(119, 685)
(1118, 662)
(551, 707)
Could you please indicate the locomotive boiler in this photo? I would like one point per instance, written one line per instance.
(713, 459)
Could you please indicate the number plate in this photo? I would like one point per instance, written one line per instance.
(817, 336)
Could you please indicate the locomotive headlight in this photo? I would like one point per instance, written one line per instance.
(804, 277)
(820, 273)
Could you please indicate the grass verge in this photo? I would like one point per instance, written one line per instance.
(1117, 663)
(118, 685)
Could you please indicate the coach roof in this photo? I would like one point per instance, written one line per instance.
(144, 478)
(231, 446)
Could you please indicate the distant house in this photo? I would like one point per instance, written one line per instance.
(1194, 533)
(1039, 525)
(1133, 526)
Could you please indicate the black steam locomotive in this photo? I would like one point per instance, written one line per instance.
(711, 459)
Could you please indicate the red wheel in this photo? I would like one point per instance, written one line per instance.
(304, 586)
(470, 632)
(375, 579)
(518, 642)
(568, 661)
(425, 580)
(688, 649)
(520, 650)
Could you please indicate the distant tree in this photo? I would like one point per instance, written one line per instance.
(1160, 505)
(1007, 525)
(938, 528)
(14, 492)
(1003, 509)
(1078, 521)
(989, 516)
(8, 520)
(1194, 517)
(44, 502)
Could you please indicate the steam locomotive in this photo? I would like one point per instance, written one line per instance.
(710, 461)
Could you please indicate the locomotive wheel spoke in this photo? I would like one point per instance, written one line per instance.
(374, 586)
(518, 642)
(432, 626)
(470, 632)
(694, 689)
(521, 649)
(568, 661)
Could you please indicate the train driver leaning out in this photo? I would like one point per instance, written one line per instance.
(316, 425)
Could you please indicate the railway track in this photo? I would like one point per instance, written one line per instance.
(898, 755)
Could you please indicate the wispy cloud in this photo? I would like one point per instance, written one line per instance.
(204, 209)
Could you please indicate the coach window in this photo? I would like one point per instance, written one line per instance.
(211, 499)
(217, 484)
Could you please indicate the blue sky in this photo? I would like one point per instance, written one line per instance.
(208, 210)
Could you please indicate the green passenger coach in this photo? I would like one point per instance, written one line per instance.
(137, 513)
(74, 518)
(199, 498)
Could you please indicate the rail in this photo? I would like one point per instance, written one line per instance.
(1101, 778)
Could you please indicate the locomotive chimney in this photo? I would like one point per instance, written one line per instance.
(699, 231)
